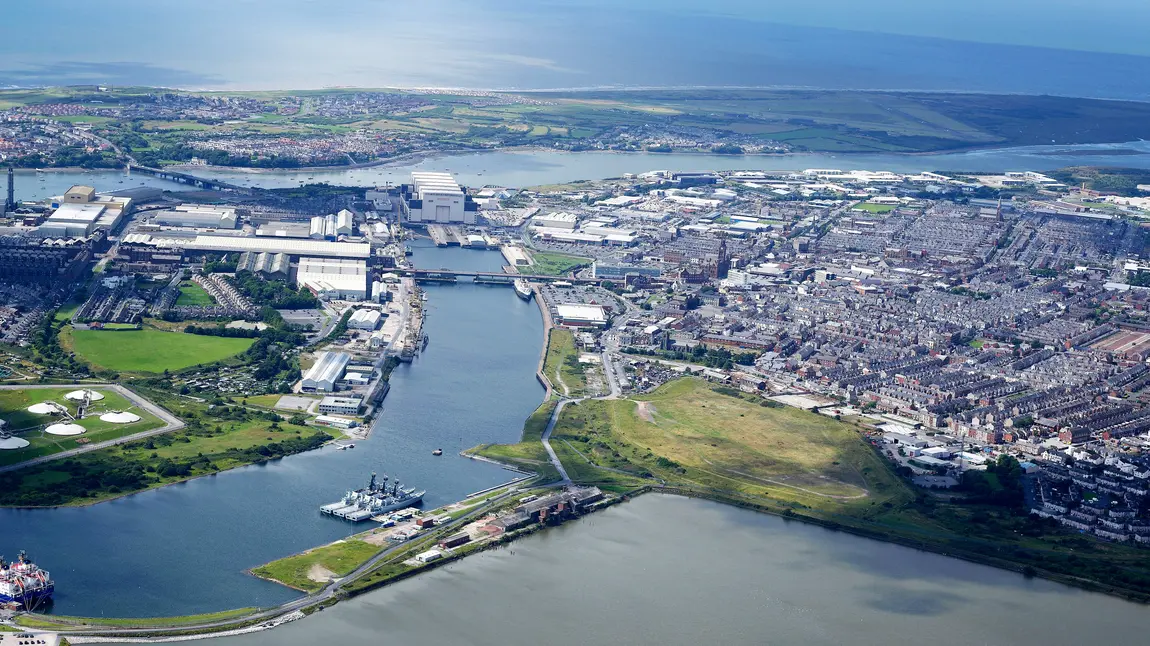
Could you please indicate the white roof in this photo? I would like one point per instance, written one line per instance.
(581, 312)
(290, 246)
(328, 367)
(80, 213)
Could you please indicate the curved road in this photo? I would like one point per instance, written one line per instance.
(171, 423)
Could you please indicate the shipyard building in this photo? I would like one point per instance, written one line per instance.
(193, 216)
(80, 212)
(333, 278)
(437, 197)
(326, 372)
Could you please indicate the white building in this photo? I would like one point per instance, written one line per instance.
(80, 211)
(436, 197)
(344, 223)
(340, 405)
(328, 369)
(334, 278)
(581, 315)
(365, 320)
(556, 221)
(194, 216)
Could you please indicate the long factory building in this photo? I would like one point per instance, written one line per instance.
(257, 244)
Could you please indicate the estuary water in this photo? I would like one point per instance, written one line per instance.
(185, 548)
(662, 570)
(524, 168)
(1026, 46)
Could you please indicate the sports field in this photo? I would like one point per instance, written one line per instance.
(552, 264)
(192, 294)
(150, 350)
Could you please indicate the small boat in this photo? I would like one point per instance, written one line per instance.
(344, 447)
(437, 452)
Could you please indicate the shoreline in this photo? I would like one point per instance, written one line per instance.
(1063, 150)
(318, 601)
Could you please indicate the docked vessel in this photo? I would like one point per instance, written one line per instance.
(523, 289)
(375, 499)
(24, 583)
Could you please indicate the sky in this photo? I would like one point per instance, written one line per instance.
(524, 44)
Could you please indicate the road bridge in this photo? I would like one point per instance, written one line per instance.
(189, 179)
(449, 275)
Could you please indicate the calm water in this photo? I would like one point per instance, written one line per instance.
(1029, 46)
(534, 168)
(183, 549)
(665, 570)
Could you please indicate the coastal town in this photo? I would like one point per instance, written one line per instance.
(985, 335)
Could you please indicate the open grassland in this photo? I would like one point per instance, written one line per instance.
(192, 294)
(689, 434)
(310, 570)
(14, 405)
(61, 622)
(552, 264)
(719, 443)
(561, 364)
(149, 350)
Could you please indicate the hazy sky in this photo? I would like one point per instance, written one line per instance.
(579, 43)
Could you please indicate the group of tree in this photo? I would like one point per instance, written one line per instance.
(275, 293)
(720, 358)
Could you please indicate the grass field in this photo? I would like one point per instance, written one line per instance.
(59, 622)
(562, 365)
(192, 294)
(687, 433)
(301, 571)
(13, 409)
(552, 264)
(149, 350)
(874, 208)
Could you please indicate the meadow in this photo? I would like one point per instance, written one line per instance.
(149, 350)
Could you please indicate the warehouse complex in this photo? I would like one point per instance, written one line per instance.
(194, 216)
(328, 370)
(333, 278)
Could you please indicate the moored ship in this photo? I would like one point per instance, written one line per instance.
(375, 499)
(523, 289)
(24, 583)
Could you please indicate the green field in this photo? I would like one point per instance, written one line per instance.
(150, 350)
(13, 409)
(232, 437)
(688, 433)
(309, 571)
(874, 208)
(561, 364)
(192, 295)
(61, 622)
(552, 264)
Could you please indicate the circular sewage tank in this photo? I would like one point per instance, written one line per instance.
(10, 443)
(64, 429)
(46, 408)
(78, 395)
(120, 418)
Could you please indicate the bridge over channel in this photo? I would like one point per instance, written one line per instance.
(450, 275)
(189, 179)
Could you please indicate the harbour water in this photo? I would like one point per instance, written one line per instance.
(185, 548)
(520, 169)
(668, 570)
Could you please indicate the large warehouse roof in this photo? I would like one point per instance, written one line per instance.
(290, 246)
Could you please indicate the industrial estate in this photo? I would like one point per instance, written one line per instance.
(952, 361)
